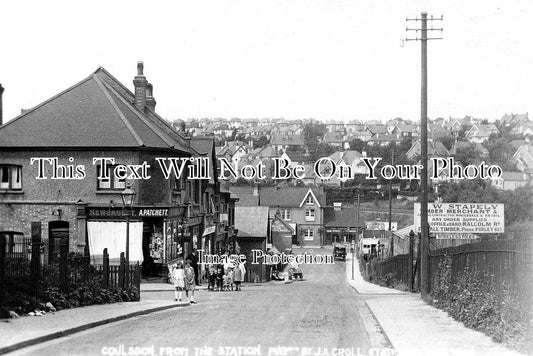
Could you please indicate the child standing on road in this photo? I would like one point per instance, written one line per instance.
(178, 275)
(230, 278)
(189, 281)
(212, 276)
(220, 277)
(238, 277)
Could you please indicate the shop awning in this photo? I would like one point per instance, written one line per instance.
(209, 230)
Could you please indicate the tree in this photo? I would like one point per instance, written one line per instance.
(314, 131)
(447, 141)
(261, 142)
(500, 152)
(467, 154)
(358, 145)
(518, 203)
(318, 150)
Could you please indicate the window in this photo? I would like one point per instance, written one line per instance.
(179, 183)
(310, 200)
(189, 190)
(10, 177)
(309, 214)
(308, 234)
(286, 214)
(111, 182)
(197, 191)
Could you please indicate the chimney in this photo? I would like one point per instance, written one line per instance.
(140, 83)
(1, 109)
(150, 101)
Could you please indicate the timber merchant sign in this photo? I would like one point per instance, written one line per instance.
(462, 218)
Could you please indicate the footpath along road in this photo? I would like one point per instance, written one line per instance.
(320, 312)
(416, 328)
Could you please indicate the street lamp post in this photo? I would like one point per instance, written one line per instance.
(128, 195)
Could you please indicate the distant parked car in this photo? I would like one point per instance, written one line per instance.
(339, 252)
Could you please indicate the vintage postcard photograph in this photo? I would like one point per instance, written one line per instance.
(266, 178)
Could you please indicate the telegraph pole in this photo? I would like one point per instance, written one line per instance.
(424, 256)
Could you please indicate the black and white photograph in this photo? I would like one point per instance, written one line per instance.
(266, 178)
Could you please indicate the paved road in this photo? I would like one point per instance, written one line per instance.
(322, 311)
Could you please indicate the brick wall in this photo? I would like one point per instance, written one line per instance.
(19, 216)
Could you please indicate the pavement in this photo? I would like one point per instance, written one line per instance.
(416, 328)
(30, 330)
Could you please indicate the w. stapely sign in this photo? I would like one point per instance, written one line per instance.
(462, 218)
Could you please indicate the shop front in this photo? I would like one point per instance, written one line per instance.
(151, 242)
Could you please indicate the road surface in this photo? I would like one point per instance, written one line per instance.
(321, 312)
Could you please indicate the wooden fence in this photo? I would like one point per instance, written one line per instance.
(507, 263)
(27, 266)
(396, 266)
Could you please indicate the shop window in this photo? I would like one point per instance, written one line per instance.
(286, 214)
(308, 234)
(10, 177)
(111, 181)
(309, 214)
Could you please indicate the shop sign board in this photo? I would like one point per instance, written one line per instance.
(209, 230)
(119, 212)
(460, 220)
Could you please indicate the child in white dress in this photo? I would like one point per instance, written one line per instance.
(178, 275)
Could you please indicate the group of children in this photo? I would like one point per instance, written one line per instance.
(183, 280)
(225, 277)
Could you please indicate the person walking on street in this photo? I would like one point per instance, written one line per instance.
(190, 286)
(178, 276)
(194, 265)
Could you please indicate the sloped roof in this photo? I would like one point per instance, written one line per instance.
(232, 147)
(290, 140)
(333, 137)
(96, 112)
(345, 217)
(265, 152)
(406, 127)
(288, 197)
(347, 156)
(251, 221)
(513, 176)
(245, 194)
(203, 145)
(385, 138)
(517, 143)
(377, 129)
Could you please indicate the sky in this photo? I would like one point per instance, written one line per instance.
(323, 59)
